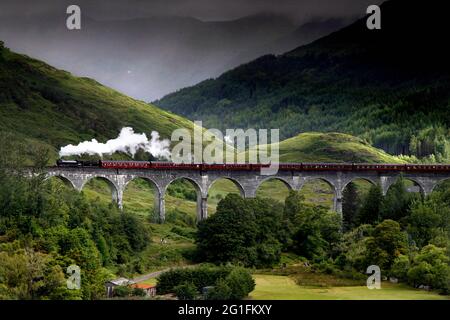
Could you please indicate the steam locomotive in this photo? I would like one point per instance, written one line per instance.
(155, 165)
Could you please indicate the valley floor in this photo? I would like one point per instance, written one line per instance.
(270, 287)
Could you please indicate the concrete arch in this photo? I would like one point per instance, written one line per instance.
(202, 203)
(370, 180)
(62, 178)
(337, 199)
(158, 206)
(438, 182)
(110, 182)
(235, 182)
(196, 185)
(116, 192)
(149, 180)
(416, 181)
(286, 183)
(312, 178)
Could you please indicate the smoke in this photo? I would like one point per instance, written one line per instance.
(128, 142)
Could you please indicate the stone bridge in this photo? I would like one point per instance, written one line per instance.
(246, 181)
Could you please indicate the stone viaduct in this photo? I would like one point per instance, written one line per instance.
(246, 181)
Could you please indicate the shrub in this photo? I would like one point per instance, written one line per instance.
(228, 282)
(122, 291)
(186, 291)
(430, 268)
(400, 267)
(138, 292)
(240, 283)
(221, 291)
(167, 281)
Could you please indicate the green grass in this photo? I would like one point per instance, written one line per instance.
(151, 281)
(269, 287)
(331, 147)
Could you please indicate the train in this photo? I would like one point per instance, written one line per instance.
(159, 165)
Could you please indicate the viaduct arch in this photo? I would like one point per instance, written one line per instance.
(247, 182)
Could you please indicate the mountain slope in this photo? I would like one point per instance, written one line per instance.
(331, 147)
(387, 86)
(39, 103)
(45, 106)
(144, 58)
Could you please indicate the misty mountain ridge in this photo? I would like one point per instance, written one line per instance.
(388, 86)
(43, 107)
(149, 57)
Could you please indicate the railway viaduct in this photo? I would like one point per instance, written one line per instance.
(246, 181)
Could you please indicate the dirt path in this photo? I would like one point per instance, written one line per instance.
(156, 273)
(148, 276)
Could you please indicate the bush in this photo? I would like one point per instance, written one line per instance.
(202, 276)
(122, 291)
(228, 282)
(186, 291)
(430, 268)
(400, 267)
(139, 292)
(240, 283)
(221, 291)
(167, 281)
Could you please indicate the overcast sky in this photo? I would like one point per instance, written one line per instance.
(149, 58)
(201, 9)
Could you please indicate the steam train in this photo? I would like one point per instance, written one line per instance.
(158, 165)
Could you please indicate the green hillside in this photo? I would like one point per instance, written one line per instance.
(331, 147)
(48, 107)
(388, 86)
(43, 105)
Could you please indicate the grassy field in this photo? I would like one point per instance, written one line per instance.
(284, 288)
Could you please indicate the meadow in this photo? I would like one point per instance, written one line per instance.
(274, 287)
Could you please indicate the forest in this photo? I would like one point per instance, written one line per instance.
(45, 228)
(396, 99)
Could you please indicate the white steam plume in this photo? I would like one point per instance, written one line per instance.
(127, 142)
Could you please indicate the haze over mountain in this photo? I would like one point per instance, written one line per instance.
(389, 86)
(43, 106)
(149, 57)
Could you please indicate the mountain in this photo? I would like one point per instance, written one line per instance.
(307, 33)
(304, 34)
(40, 104)
(149, 57)
(388, 86)
(145, 58)
(331, 147)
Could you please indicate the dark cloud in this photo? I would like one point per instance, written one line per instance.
(201, 9)
(166, 49)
